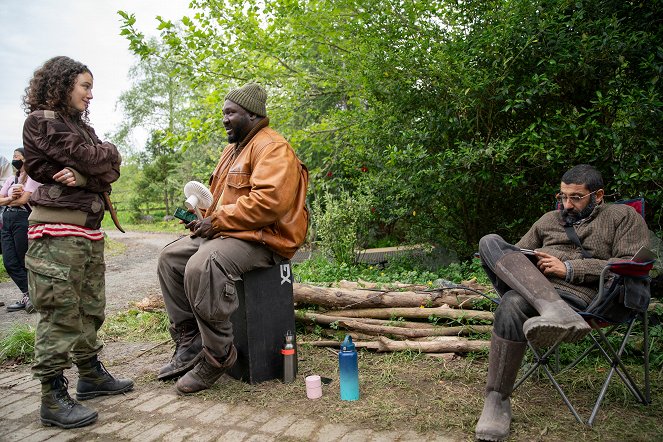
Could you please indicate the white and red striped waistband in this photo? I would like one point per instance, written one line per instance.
(36, 231)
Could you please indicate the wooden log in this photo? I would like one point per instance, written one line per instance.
(366, 285)
(334, 297)
(331, 343)
(410, 332)
(317, 318)
(447, 345)
(406, 312)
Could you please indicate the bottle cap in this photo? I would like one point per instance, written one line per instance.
(347, 344)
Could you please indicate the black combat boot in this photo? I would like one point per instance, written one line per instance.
(59, 409)
(206, 372)
(188, 351)
(94, 380)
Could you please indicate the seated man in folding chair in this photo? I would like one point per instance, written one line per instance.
(541, 293)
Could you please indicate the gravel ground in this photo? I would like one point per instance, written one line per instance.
(130, 276)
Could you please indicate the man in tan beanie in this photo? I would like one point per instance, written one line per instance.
(258, 218)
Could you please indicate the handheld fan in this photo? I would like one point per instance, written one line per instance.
(197, 197)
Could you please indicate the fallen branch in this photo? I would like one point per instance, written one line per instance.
(330, 343)
(407, 312)
(413, 333)
(448, 345)
(317, 318)
(334, 297)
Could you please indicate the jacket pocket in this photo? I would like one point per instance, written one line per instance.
(48, 282)
(238, 180)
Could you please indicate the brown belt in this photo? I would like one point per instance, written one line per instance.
(112, 211)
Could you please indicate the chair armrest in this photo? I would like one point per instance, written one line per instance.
(630, 268)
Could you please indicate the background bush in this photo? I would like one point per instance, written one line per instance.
(460, 117)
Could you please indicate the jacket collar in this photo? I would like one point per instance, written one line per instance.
(597, 210)
(247, 139)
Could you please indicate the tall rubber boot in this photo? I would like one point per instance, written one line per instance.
(188, 351)
(94, 380)
(504, 361)
(59, 409)
(558, 322)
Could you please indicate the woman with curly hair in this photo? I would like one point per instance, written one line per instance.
(65, 257)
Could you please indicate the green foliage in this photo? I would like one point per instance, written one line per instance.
(319, 269)
(4, 276)
(341, 223)
(460, 119)
(18, 345)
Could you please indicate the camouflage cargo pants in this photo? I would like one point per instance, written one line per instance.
(67, 287)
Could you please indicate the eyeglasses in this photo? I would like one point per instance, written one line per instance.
(561, 198)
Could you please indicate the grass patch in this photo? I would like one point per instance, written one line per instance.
(4, 276)
(18, 346)
(136, 326)
(409, 390)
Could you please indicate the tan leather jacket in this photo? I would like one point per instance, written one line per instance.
(259, 189)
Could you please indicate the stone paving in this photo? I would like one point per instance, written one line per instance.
(154, 412)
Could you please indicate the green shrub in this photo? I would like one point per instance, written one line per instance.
(19, 344)
(341, 223)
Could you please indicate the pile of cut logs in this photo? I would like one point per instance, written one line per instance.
(396, 317)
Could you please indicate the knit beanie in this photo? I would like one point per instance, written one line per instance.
(251, 97)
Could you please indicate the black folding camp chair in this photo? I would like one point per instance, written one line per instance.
(623, 299)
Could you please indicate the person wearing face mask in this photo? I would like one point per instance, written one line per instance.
(65, 257)
(540, 294)
(14, 197)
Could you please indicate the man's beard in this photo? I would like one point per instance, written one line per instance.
(572, 216)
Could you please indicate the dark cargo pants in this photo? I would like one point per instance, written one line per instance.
(197, 278)
(67, 287)
(513, 310)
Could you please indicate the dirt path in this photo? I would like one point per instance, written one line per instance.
(130, 276)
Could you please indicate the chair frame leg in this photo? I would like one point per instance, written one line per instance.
(543, 360)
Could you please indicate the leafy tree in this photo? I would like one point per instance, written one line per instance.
(161, 103)
(460, 116)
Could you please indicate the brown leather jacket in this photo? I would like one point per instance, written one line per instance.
(259, 192)
(52, 143)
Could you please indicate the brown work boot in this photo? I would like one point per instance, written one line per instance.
(557, 321)
(206, 372)
(94, 380)
(59, 409)
(188, 351)
(504, 361)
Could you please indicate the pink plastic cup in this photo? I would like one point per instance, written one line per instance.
(313, 387)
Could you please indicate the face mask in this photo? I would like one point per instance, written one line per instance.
(17, 164)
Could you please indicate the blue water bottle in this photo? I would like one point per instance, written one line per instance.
(349, 370)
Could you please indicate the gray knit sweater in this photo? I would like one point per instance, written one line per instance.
(612, 232)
